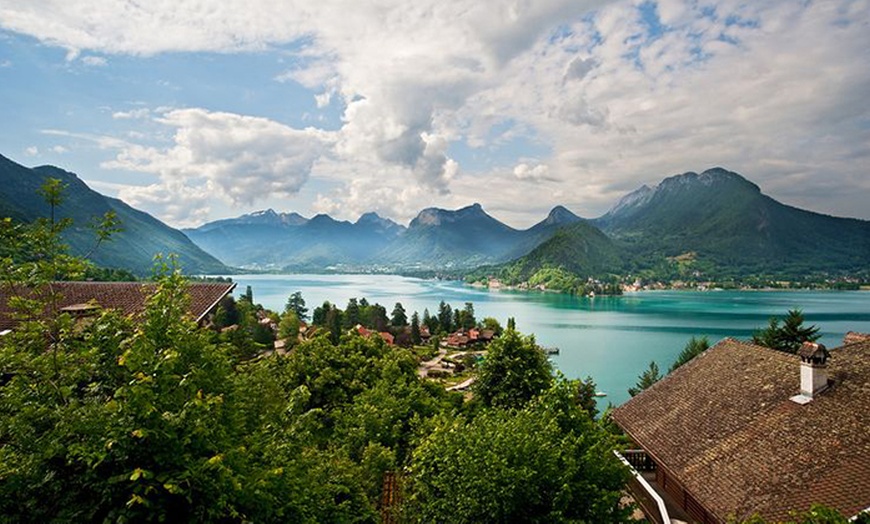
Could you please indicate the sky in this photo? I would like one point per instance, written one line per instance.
(205, 109)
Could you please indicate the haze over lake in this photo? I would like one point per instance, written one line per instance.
(610, 338)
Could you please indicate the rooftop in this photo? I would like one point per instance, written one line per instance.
(126, 297)
(723, 424)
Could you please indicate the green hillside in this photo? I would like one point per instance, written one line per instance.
(733, 229)
(143, 236)
(572, 256)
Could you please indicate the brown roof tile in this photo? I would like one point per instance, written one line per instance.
(723, 424)
(126, 297)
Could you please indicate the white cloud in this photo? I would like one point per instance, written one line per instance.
(142, 112)
(525, 171)
(31, 151)
(239, 159)
(780, 93)
(94, 61)
(59, 150)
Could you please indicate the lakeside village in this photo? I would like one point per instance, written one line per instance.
(591, 286)
(449, 345)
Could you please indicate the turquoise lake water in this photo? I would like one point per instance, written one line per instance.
(611, 339)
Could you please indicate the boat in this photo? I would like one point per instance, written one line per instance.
(600, 394)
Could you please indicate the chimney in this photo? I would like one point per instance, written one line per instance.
(814, 368)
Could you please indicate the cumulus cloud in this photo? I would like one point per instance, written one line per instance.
(775, 90)
(525, 171)
(239, 159)
(31, 151)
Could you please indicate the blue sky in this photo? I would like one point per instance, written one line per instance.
(196, 111)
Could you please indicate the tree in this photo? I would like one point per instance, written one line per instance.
(399, 317)
(430, 322)
(445, 317)
(318, 316)
(546, 462)
(334, 323)
(492, 324)
(288, 327)
(352, 315)
(466, 317)
(694, 347)
(817, 514)
(296, 304)
(646, 379)
(416, 338)
(249, 294)
(512, 323)
(788, 337)
(514, 371)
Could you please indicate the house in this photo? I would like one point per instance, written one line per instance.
(743, 429)
(83, 298)
(387, 336)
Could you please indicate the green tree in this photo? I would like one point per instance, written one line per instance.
(334, 323)
(514, 371)
(445, 318)
(646, 379)
(466, 317)
(788, 337)
(546, 462)
(399, 317)
(817, 514)
(416, 338)
(430, 322)
(352, 314)
(288, 327)
(492, 324)
(318, 316)
(296, 304)
(694, 347)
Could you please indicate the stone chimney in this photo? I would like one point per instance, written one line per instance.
(814, 368)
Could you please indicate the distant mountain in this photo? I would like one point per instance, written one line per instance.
(725, 220)
(269, 240)
(435, 239)
(442, 238)
(133, 248)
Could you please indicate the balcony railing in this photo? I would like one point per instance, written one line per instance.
(652, 505)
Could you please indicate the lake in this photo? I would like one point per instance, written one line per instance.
(611, 339)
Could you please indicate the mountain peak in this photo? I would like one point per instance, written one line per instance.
(434, 216)
(717, 176)
(561, 215)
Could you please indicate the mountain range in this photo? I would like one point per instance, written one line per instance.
(436, 238)
(133, 248)
(716, 223)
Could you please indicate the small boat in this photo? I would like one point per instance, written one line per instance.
(551, 351)
(600, 394)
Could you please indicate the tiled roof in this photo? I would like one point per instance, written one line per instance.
(126, 297)
(723, 425)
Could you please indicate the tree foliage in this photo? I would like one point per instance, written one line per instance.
(154, 419)
(646, 379)
(514, 371)
(546, 462)
(789, 336)
(694, 347)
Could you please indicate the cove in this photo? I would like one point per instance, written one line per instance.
(611, 339)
